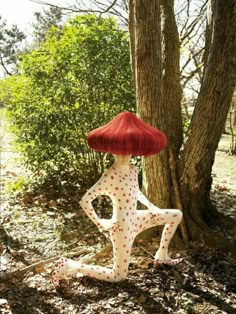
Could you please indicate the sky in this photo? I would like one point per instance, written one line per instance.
(21, 12)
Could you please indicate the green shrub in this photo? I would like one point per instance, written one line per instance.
(77, 80)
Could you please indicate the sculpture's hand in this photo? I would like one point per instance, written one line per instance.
(108, 225)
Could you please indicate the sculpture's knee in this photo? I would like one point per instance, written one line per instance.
(176, 216)
(179, 215)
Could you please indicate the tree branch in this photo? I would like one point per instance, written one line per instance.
(189, 60)
(75, 9)
(70, 9)
(192, 25)
(108, 8)
(39, 266)
(188, 78)
(4, 67)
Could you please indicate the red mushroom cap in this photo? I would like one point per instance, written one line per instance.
(126, 134)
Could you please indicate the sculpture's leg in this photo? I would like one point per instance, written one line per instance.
(121, 257)
(168, 217)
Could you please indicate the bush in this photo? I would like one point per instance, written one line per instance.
(77, 80)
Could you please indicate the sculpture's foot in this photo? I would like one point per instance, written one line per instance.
(168, 261)
(64, 268)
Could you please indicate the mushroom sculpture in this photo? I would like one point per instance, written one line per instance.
(124, 136)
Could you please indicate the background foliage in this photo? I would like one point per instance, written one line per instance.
(76, 80)
(10, 45)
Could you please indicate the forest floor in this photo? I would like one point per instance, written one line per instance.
(35, 228)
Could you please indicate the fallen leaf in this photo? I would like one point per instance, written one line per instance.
(142, 299)
(52, 203)
(40, 269)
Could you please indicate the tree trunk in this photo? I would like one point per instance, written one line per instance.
(207, 125)
(156, 178)
(197, 157)
(132, 39)
(208, 32)
(172, 91)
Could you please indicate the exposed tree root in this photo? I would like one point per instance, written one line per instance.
(212, 238)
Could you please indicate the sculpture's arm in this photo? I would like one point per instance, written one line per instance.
(142, 199)
(99, 188)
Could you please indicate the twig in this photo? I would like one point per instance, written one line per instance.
(142, 248)
(72, 9)
(108, 8)
(104, 251)
(34, 266)
(137, 271)
(177, 194)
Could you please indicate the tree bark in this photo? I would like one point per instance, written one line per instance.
(132, 39)
(197, 157)
(207, 125)
(172, 91)
(156, 177)
(208, 33)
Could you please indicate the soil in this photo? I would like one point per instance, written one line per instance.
(35, 228)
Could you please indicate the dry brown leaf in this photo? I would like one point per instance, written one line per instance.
(40, 269)
(52, 203)
(2, 286)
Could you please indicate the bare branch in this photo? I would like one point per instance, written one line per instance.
(108, 8)
(70, 9)
(97, 7)
(4, 67)
(37, 267)
(188, 78)
(190, 58)
(186, 30)
(198, 66)
(191, 27)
